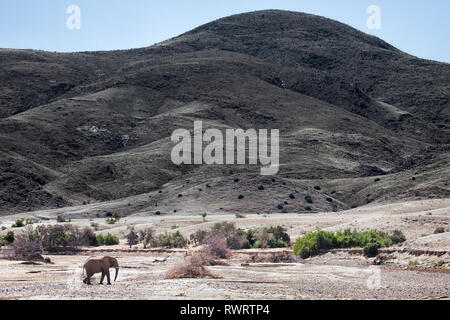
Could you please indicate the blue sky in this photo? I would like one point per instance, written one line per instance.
(420, 28)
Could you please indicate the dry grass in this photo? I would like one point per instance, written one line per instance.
(272, 257)
(193, 266)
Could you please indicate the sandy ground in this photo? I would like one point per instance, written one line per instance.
(418, 269)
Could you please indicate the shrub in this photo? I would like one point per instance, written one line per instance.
(292, 196)
(439, 230)
(177, 240)
(238, 240)
(218, 247)
(53, 236)
(60, 219)
(261, 188)
(27, 245)
(198, 237)
(240, 216)
(308, 208)
(146, 237)
(19, 223)
(189, 267)
(251, 236)
(174, 240)
(280, 233)
(317, 188)
(371, 249)
(87, 237)
(204, 216)
(240, 197)
(311, 243)
(8, 238)
(308, 199)
(94, 225)
(414, 263)
(397, 237)
(329, 200)
(108, 240)
(132, 237)
(110, 221)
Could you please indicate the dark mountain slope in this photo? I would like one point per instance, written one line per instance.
(90, 127)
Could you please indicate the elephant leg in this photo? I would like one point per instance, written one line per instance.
(103, 277)
(107, 276)
(88, 279)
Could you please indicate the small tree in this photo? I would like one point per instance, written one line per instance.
(146, 237)
(27, 245)
(204, 216)
(132, 237)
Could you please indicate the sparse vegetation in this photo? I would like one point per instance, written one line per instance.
(108, 240)
(371, 249)
(19, 223)
(192, 266)
(132, 237)
(61, 219)
(414, 262)
(7, 239)
(240, 216)
(146, 237)
(111, 221)
(439, 230)
(94, 225)
(166, 240)
(312, 243)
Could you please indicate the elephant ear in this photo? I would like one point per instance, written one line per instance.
(107, 261)
(112, 261)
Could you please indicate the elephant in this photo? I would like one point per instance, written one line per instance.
(100, 265)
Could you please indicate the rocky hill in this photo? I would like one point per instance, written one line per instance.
(360, 121)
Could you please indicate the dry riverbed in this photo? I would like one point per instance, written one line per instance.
(418, 269)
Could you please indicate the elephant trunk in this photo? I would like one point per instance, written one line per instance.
(117, 272)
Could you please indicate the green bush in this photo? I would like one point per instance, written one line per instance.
(60, 219)
(273, 237)
(108, 240)
(397, 237)
(198, 237)
(8, 238)
(439, 230)
(174, 240)
(311, 243)
(371, 249)
(19, 223)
